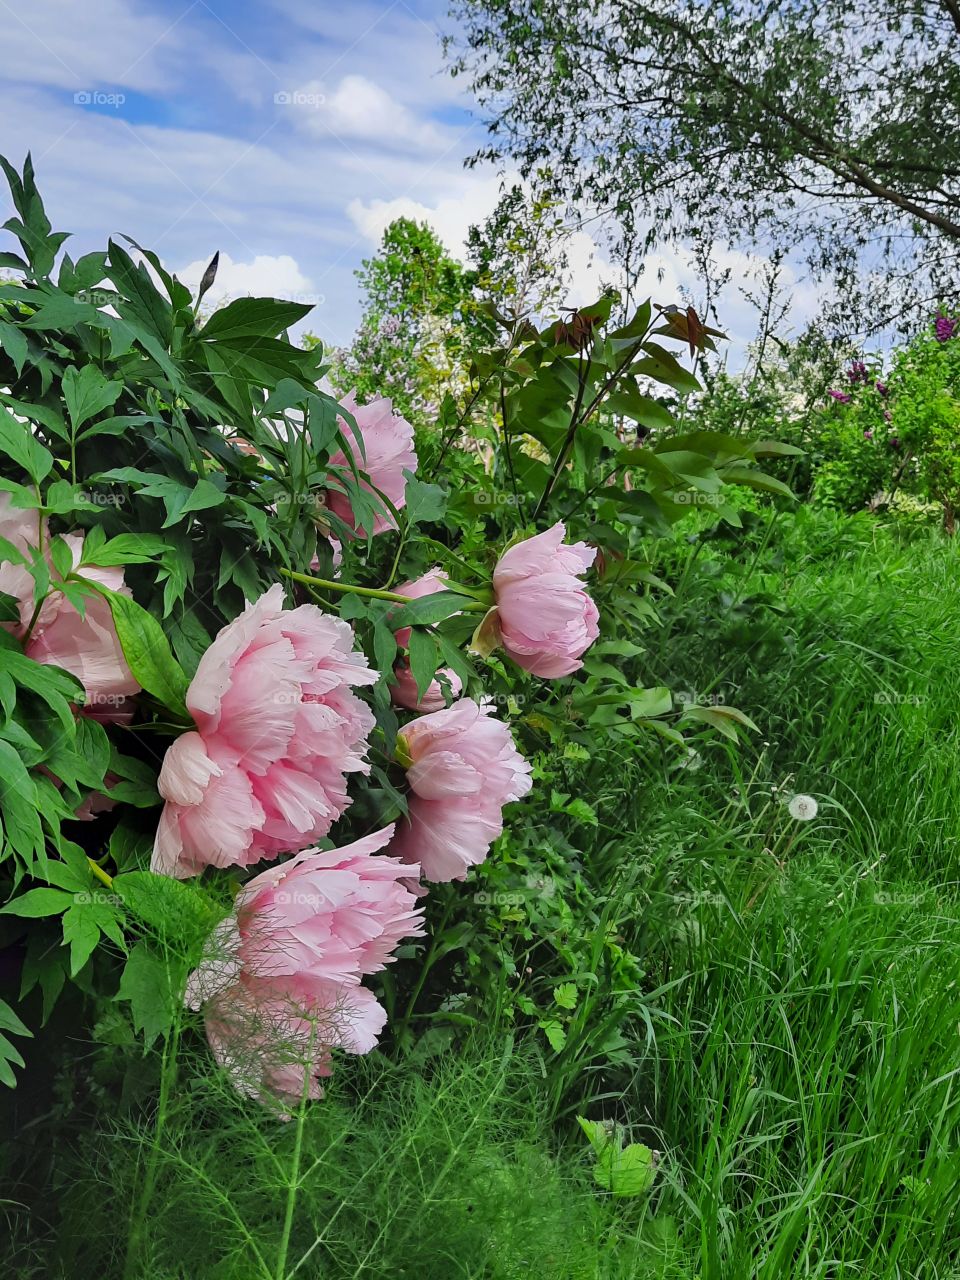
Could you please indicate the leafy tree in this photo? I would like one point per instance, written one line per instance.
(410, 339)
(518, 252)
(807, 124)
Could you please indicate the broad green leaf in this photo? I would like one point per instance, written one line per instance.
(627, 1171)
(253, 317)
(87, 393)
(18, 442)
(148, 652)
(37, 903)
(423, 659)
(429, 609)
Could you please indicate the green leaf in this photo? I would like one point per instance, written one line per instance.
(774, 449)
(423, 659)
(14, 344)
(629, 1171)
(149, 983)
(200, 498)
(87, 393)
(18, 804)
(37, 903)
(429, 609)
(145, 301)
(566, 995)
(253, 317)
(754, 479)
(148, 652)
(555, 1033)
(126, 548)
(425, 503)
(81, 933)
(18, 442)
(8, 1054)
(720, 718)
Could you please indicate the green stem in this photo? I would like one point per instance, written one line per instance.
(374, 593)
(99, 872)
(167, 1076)
(294, 1184)
(426, 966)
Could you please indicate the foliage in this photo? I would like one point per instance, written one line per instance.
(802, 125)
(411, 342)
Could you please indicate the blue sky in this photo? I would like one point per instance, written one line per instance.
(283, 133)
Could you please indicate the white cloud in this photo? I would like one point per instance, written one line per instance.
(472, 196)
(357, 109)
(89, 46)
(265, 277)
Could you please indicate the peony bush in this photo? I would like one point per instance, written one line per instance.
(275, 675)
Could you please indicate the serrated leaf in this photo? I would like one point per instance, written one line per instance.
(629, 1171)
(81, 934)
(148, 983)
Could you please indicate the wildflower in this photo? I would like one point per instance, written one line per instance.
(803, 808)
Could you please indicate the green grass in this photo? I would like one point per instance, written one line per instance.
(806, 1063)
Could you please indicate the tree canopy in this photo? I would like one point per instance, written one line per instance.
(810, 125)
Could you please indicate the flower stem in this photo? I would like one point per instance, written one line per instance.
(372, 592)
(137, 1232)
(99, 872)
(293, 1186)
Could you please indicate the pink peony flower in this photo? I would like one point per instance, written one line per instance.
(403, 691)
(88, 647)
(388, 446)
(544, 619)
(274, 1040)
(463, 769)
(280, 981)
(331, 916)
(278, 729)
(22, 530)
